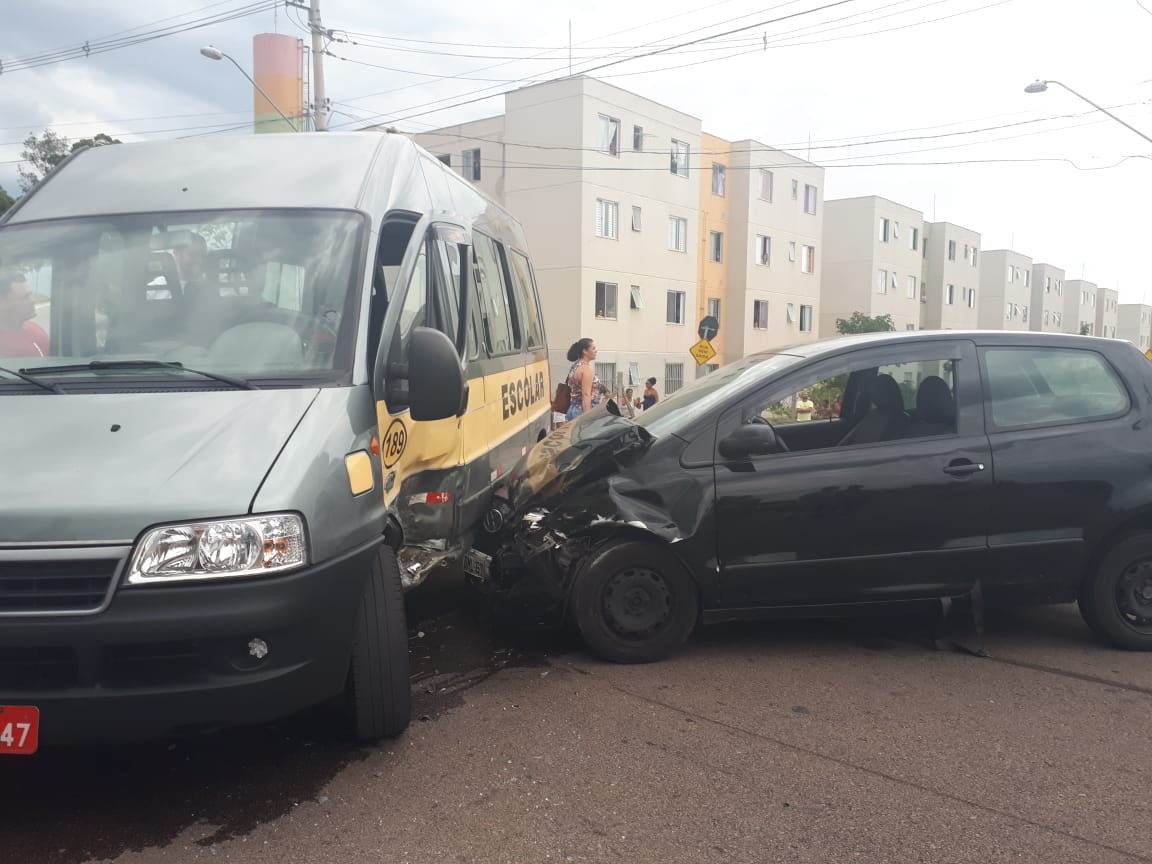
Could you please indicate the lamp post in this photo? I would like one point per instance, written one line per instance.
(213, 53)
(1041, 86)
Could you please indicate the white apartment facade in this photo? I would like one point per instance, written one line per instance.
(1134, 323)
(873, 261)
(1107, 303)
(1080, 307)
(775, 265)
(1047, 299)
(605, 184)
(951, 277)
(1005, 290)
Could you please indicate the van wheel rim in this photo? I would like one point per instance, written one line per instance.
(1134, 595)
(636, 603)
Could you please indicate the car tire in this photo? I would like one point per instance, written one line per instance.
(1116, 599)
(634, 602)
(379, 695)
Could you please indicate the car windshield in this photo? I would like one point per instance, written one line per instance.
(704, 395)
(252, 294)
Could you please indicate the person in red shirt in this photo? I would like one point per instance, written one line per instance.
(20, 336)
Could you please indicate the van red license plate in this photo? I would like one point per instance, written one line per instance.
(19, 730)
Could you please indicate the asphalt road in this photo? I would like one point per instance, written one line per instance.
(799, 742)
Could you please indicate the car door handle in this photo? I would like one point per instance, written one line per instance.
(963, 469)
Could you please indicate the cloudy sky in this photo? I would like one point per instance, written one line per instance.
(920, 101)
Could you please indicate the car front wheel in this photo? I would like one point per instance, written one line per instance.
(1116, 600)
(634, 602)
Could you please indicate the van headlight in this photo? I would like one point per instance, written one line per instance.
(220, 549)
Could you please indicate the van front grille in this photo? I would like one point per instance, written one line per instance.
(55, 586)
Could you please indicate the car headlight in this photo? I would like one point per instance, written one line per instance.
(220, 549)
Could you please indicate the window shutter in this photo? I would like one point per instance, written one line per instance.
(599, 218)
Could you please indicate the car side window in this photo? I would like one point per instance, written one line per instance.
(1050, 386)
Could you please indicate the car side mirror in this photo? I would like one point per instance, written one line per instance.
(435, 376)
(751, 439)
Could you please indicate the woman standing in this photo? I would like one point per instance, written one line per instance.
(651, 397)
(583, 384)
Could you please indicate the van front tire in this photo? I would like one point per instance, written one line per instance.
(379, 695)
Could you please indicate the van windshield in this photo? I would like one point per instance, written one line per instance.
(265, 294)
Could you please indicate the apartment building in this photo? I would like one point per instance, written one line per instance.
(605, 184)
(1047, 299)
(1107, 303)
(873, 261)
(774, 262)
(1134, 323)
(1005, 290)
(1080, 307)
(951, 277)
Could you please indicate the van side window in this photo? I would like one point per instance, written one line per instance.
(520, 271)
(497, 309)
(414, 312)
(452, 254)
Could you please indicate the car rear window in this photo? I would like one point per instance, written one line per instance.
(1045, 386)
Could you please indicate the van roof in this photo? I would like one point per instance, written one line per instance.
(340, 170)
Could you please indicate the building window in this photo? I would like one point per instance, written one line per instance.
(1024, 311)
(914, 239)
(951, 250)
(715, 246)
(971, 297)
(809, 199)
(675, 311)
(950, 294)
(635, 218)
(638, 139)
(633, 374)
(677, 233)
(714, 307)
(765, 185)
(1011, 273)
(446, 158)
(606, 300)
(679, 164)
(881, 281)
(607, 219)
(718, 178)
(635, 301)
(673, 377)
(1027, 278)
(760, 314)
(970, 254)
(606, 372)
(807, 259)
(471, 164)
(911, 287)
(795, 189)
(790, 313)
(1009, 311)
(885, 230)
(805, 319)
(609, 135)
(763, 250)
(791, 250)
(909, 326)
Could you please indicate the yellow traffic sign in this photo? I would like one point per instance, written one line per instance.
(1148, 353)
(702, 351)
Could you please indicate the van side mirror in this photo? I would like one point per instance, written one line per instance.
(435, 376)
(751, 439)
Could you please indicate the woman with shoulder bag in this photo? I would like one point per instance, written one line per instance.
(583, 385)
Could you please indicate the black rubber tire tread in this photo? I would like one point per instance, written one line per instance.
(379, 691)
(601, 566)
(1097, 600)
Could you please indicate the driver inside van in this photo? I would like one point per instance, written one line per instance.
(20, 335)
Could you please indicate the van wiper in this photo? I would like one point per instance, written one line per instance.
(23, 376)
(173, 366)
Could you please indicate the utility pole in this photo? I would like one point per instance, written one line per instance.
(320, 109)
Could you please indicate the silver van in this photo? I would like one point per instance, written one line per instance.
(250, 388)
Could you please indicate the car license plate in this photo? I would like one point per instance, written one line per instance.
(476, 564)
(19, 730)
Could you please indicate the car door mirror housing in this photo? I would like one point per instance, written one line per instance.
(436, 383)
(751, 439)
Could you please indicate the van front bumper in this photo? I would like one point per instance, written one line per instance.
(164, 660)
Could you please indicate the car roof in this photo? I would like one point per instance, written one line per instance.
(837, 344)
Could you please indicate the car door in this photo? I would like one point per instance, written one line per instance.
(1067, 447)
(890, 515)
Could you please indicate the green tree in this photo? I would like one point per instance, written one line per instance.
(44, 152)
(6, 200)
(1085, 329)
(861, 323)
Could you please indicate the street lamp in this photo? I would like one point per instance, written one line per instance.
(1041, 86)
(213, 53)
